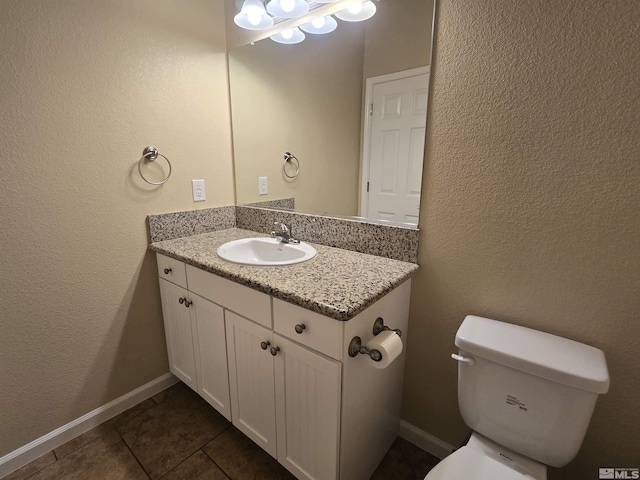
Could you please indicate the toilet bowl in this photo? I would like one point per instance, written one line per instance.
(514, 383)
(482, 459)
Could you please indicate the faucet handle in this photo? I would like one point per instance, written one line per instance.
(284, 228)
(285, 234)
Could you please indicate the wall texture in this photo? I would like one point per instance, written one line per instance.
(84, 86)
(398, 37)
(530, 211)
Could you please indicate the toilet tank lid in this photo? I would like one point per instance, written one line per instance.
(542, 354)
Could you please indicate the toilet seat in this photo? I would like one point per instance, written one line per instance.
(470, 464)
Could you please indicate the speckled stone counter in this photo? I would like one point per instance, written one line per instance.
(336, 283)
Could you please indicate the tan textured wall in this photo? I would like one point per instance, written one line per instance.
(398, 37)
(84, 86)
(530, 212)
(299, 99)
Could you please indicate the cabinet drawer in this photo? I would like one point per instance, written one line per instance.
(232, 296)
(172, 270)
(321, 333)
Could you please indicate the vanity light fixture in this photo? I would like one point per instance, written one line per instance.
(288, 36)
(253, 16)
(320, 25)
(357, 12)
(287, 8)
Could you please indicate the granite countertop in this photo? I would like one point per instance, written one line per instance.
(336, 283)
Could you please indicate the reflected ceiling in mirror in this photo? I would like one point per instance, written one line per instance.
(309, 99)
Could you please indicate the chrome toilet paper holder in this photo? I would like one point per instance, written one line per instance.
(356, 347)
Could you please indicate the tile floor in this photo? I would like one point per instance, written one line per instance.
(176, 435)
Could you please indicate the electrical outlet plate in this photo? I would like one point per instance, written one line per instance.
(262, 186)
(197, 186)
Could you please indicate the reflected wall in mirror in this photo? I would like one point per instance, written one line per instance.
(310, 99)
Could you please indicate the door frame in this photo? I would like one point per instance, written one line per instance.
(366, 139)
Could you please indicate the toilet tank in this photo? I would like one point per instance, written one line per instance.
(529, 391)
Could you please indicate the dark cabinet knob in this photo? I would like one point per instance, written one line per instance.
(264, 345)
(275, 350)
(167, 271)
(300, 328)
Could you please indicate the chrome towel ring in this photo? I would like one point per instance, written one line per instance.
(289, 158)
(150, 154)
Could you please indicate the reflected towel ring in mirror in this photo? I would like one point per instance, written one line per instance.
(150, 154)
(288, 158)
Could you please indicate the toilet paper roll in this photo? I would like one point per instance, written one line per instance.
(389, 344)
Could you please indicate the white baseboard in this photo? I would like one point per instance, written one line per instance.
(27, 453)
(425, 441)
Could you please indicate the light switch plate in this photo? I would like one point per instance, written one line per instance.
(197, 187)
(262, 186)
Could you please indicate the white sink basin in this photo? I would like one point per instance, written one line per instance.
(265, 251)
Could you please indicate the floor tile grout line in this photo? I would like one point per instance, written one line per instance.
(114, 427)
(144, 470)
(58, 459)
(211, 440)
(228, 475)
(187, 458)
(216, 464)
(36, 472)
(181, 461)
(84, 444)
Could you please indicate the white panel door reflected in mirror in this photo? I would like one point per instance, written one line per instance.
(393, 147)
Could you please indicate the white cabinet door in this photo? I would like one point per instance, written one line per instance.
(251, 380)
(308, 388)
(211, 354)
(178, 330)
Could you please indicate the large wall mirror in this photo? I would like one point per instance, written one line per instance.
(313, 99)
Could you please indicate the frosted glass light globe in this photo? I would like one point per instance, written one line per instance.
(318, 22)
(287, 8)
(254, 17)
(287, 5)
(320, 25)
(355, 8)
(357, 12)
(288, 36)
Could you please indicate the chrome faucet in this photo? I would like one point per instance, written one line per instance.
(282, 233)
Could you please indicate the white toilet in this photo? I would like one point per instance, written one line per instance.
(528, 396)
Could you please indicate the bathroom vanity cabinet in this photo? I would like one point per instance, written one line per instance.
(282, 373)
(195, 333)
